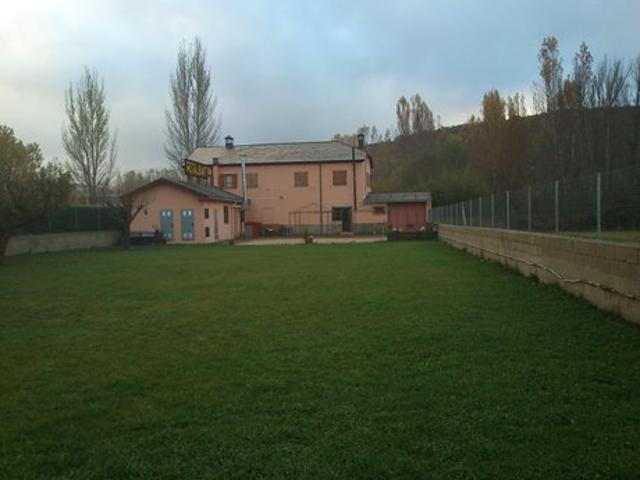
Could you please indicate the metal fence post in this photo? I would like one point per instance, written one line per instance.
(493, 218)
(557, 204)
(470, 213)
(529, 208)
(508, 212)
(75, 217)
(599, 203)
(464, 214)
(98, 218)
(480, 212)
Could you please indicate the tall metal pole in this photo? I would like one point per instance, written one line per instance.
(508, 212)
(480, 211)
(557, 206)
(529, 207)
(353, 167)
(599, 203)
(243, 165)
(493, 211)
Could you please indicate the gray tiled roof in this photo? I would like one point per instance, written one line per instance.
(397, 197)
(299, 152)
(214, 193)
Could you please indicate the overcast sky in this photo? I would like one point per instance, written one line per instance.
(286, 70)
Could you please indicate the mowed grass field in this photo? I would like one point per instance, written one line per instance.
(389, 360)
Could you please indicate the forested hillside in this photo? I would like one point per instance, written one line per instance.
(584, 121)
(459, 162)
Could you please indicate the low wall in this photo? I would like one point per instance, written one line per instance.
(606, 274)
(55, 242)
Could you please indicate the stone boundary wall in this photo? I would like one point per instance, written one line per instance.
(56, 242)
(615, 267)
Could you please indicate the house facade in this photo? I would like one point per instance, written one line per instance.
(186, 213)
(294, 188)
(314, 187)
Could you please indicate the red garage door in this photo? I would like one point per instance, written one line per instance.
(408, 217)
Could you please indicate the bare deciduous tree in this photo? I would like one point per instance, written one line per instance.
(582, 75)
(550, 73)
(635, 74)
(403, 114)
(125, 208)
(191, 120)
(610, 83)
(609, 91)
(421, 115)
(87, 139)
(132, 179)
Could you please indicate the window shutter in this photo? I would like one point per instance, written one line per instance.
(301, 179)
(339, 177)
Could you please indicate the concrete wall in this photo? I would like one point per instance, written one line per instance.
(56, 242)
(615, 266)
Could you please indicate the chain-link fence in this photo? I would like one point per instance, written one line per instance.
(601, 205)
(76, 219)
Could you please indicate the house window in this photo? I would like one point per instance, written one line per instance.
(301, 179)
(229, 180)
(226, 214)
(339, 177)
(207, 232)
(378, 210)
(252, 180)
(206, 214)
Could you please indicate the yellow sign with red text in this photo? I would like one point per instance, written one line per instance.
(197, 169)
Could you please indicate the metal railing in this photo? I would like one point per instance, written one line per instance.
(601, 205)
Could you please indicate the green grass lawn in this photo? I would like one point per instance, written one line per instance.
(390, 360)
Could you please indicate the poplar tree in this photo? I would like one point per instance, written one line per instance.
(191, 119)
(87, 139)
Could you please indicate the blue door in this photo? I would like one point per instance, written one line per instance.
(187, 224)
(166, 223)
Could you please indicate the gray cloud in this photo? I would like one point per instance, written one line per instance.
(286, 70)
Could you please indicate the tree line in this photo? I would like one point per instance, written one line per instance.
(585, 118)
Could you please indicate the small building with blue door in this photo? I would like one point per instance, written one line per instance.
(186, 212)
